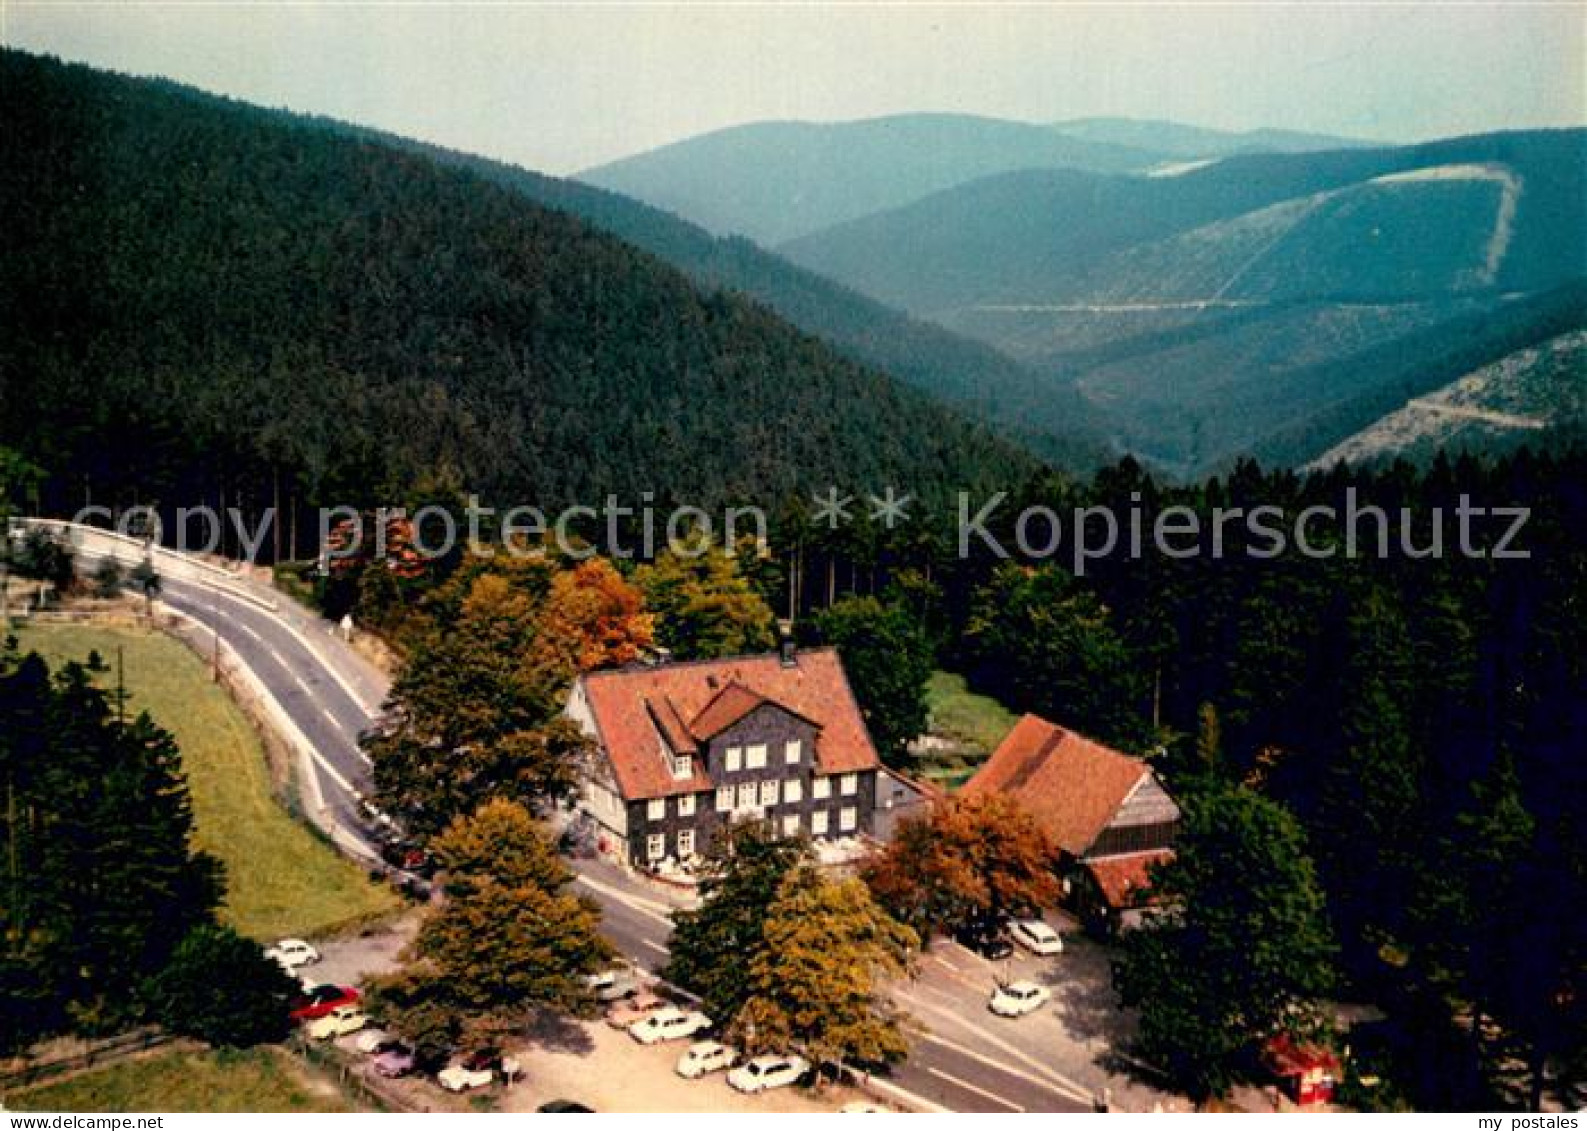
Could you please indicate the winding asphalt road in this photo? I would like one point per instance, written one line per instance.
(963, 1060)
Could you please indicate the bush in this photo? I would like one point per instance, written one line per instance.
(220, 988)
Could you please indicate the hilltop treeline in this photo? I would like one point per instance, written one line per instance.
(211, 303)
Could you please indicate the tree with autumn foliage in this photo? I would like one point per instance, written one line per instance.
(475, 712)
(592, 618)
(970, 858)
(508, 938)
(813, 980)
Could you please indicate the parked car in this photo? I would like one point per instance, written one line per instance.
(705, 1057)
(457, 1078)
(564, 1107)
(319, 1001)
(985, 938)
(638, 1007)
(612, 985)
(372, 1042)
(767, 1072)
(669, 1024)
(1037, 937)
(339, 1022)
(489, 1058)
(395, 1060)
(1016, 999)
(292, 953)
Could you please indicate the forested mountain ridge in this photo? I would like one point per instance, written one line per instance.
(776, 181)
(203, 297)
(1188, 142)
(1209, 312)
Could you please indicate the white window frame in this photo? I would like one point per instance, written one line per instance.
(768, 794)
(848, 819)
(821, 788)
(849, 785)
(683, 765)
(746, 795)
(733, 759)
(685, 843)
(755, 756)
(818, 823)
(724, 799)
(686, 805)
(790, 824)
(655, 846)
(793, 791)
(793, 751)
(656, 809)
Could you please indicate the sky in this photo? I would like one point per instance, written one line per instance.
(562, 86)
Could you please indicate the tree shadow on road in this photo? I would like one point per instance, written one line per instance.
(559, 1033)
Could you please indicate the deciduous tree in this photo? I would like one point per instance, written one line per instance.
(981, 857)
(1239, 948)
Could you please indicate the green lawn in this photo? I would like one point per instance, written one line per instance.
(971, 725)
(265, 1079)
(281, 879)
(959, 713)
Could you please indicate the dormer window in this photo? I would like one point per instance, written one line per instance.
(682, 766)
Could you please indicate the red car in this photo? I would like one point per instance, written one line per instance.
(321, 1000)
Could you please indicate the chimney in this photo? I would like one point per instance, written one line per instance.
(785, 644)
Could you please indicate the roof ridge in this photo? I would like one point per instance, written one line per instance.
(740, 658)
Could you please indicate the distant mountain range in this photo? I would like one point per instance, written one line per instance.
(774, 181)
(209, 302)
(1175, 139)
(1210, 312)
(777, 181)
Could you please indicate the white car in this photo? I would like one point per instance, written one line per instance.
(370, 1040)
(292, 953)
(669, 1024)
(1036, 937)
(704, 1057)
(339, 1022)
(767, 1072)
(458, 1078)
(1016, 999)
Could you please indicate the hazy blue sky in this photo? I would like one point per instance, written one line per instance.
(562, 86)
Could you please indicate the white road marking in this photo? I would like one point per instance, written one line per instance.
(969, 1087)
(660, 912)
(1057, 1081)
(1079, 1095)
(655, 946)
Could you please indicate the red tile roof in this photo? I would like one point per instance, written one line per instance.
(1071, 785)
(641, 711)
(1125, 881)
(731, 704)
